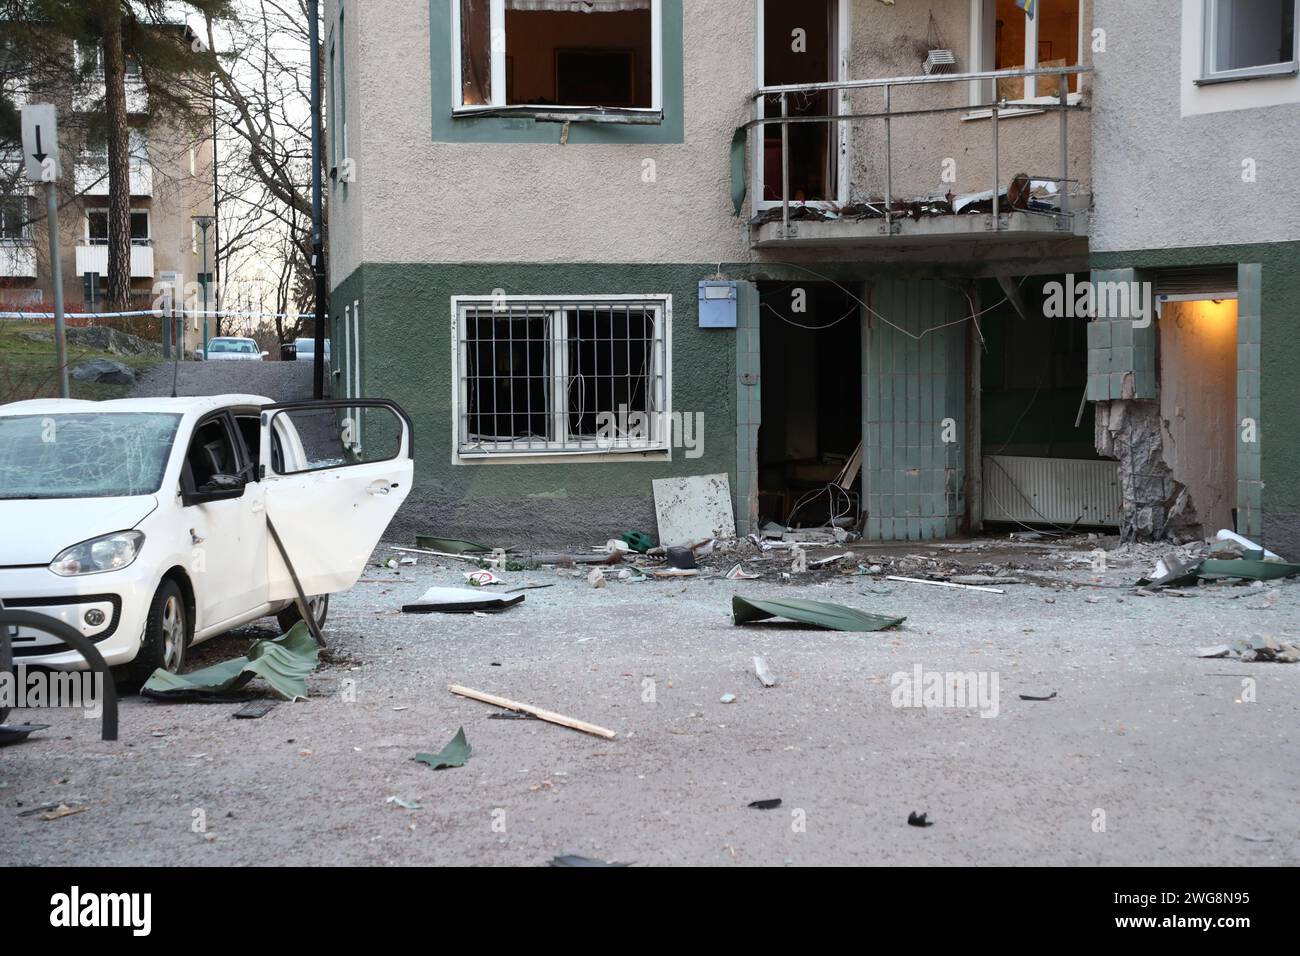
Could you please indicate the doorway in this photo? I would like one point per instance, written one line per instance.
(801, 42)
(810, 440)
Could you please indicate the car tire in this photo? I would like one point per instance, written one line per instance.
(166, 636)
(318, 604)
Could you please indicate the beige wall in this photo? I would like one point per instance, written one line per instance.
(465, 202)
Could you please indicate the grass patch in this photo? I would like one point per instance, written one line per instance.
(28, 368)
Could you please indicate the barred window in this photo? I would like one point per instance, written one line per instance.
(551, 375)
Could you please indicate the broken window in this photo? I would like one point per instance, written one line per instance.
(1044, 36)
(800, 45)
(13, 218)
(97, 227)
(1245, 38)
(539, 376)
(599, 54)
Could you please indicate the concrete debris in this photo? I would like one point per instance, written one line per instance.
(596, 578)
(762, 673)
(1260, 649)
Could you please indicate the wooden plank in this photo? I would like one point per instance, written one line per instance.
(946, 584)
(547, 715)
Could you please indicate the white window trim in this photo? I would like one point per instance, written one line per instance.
(758, 203)
(982, 13)
(1209, 75)
(148, 215)
(497, 28)
(660, 451)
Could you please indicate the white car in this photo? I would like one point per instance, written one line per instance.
(305, 350)
(228, 348)
(149, 524)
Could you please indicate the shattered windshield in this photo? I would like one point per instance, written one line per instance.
(90, 455)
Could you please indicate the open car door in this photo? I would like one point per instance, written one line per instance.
(335, 474)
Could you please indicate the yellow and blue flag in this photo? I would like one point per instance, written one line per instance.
(1028, 6)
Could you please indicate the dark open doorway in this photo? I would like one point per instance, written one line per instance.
(811, 432)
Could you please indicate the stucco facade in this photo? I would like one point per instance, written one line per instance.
(439, 204)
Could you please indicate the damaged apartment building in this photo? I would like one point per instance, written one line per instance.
(915, 268)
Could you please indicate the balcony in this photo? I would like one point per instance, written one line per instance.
(92, 177)
(909, 162)
(93, 257)
(17, 259)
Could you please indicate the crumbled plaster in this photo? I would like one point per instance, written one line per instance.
(1155, 505)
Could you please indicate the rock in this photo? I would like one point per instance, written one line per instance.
(105, 372)
(105, 339)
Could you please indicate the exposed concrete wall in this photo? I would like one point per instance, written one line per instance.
(1169, 178)
(1198, 402)
(1155, 504)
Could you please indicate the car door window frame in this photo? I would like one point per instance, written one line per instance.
(187, 483)
(269, 413)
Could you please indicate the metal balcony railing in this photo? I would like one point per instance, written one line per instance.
(888, 115)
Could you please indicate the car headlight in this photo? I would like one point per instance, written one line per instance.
(109, 553)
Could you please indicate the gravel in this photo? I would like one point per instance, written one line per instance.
(1164, 747)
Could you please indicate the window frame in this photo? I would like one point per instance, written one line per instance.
(984, 52)
(565, 450)
(499, 106)
(1210, 75)
(22, 203)
(147, 240)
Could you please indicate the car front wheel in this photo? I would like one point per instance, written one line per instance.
(166, 636)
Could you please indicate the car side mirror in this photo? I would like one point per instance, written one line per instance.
(216, 488)
(265, 353)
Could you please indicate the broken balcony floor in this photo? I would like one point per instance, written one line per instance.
(1141, 729)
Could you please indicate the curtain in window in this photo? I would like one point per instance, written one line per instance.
(476, 52)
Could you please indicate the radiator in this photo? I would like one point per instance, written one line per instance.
(1051, 490)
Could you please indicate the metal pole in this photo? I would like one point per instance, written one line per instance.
(1065, 145)
(997, 175)
(785, 167)
(207, 278)
(889, 160)
(317, 230)
(56, 269)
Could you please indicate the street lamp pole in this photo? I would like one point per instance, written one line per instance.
(205, 223)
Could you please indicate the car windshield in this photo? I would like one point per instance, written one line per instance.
(84, 455)
(231, 345)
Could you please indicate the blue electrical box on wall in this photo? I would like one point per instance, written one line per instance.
(717, 304)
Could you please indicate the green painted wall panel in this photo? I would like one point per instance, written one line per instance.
(406, 356)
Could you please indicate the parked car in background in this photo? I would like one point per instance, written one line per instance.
(146, 523)
(305, 349)
(227, 348)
